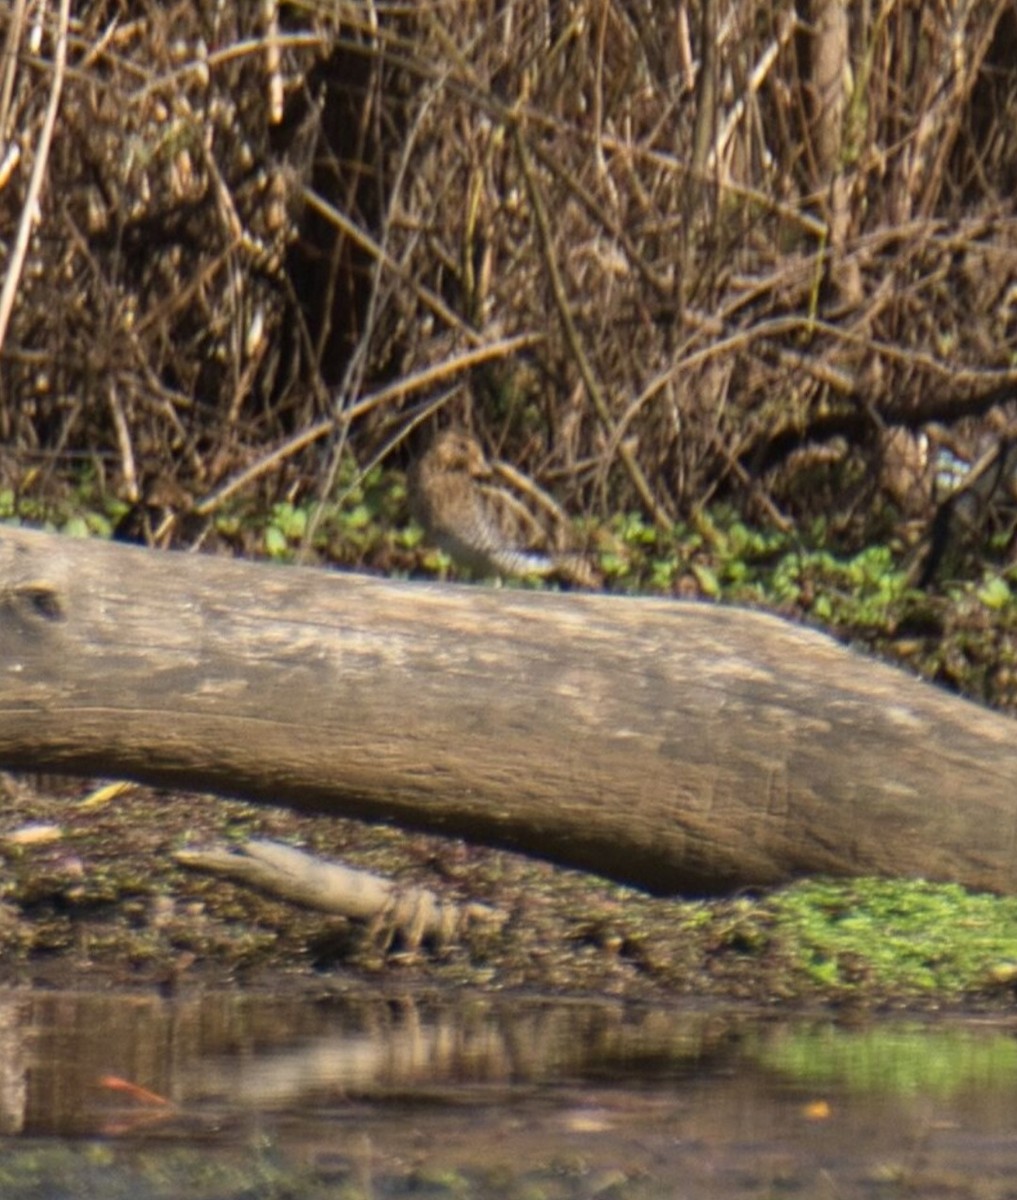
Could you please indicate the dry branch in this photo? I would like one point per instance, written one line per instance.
(28, 213)
(416, 914)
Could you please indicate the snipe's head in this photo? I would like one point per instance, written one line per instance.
(457, 453)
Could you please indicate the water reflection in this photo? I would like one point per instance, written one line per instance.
(494, 1097)
(249, 1053)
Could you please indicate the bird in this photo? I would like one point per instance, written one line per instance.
(461, 513)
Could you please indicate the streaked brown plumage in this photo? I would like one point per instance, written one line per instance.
(461, 515)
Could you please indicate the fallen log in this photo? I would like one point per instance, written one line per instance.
(677, 746)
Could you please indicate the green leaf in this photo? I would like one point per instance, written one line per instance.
(996, 593)
(276, 544)
(707, 580)
(76, 527)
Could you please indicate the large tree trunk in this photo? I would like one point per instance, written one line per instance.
(682, 747)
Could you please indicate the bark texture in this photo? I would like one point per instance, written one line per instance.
(681, 747)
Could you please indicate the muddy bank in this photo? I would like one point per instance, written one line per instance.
(93, 897)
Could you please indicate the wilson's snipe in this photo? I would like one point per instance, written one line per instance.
(451, 496)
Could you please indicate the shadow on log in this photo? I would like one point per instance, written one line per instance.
(680, 747)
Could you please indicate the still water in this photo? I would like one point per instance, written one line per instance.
(233, 1095)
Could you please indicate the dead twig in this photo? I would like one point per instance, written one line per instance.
(415, 914)
(30, 207)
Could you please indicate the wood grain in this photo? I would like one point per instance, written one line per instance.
(678, 746)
